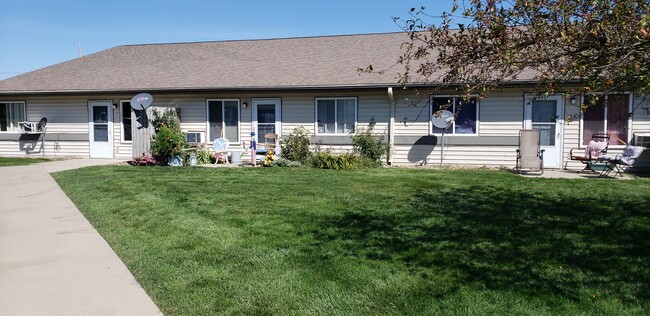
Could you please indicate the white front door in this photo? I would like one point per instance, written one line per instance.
(266, 117)
(100, 128)
(546, 115)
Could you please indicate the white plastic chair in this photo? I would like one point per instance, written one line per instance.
(220, 147)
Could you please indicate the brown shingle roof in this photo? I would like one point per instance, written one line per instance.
(291, 63)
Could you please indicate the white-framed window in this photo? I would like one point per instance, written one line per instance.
(465, 114)
(223, 119)
(125, 115)
(610, 114)
(11, 113)
(336, 115)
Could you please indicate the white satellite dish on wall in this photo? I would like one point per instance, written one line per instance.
(141, 101)
(442, 119)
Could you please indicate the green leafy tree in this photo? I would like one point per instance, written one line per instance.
(587, 46)
(169, 140)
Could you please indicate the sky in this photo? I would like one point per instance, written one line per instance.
(39, 33)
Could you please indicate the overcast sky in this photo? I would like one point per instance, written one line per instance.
(39, 33)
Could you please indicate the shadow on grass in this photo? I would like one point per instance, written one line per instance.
(504, 239)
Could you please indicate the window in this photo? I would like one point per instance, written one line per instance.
(11, 113)
(223, 120)
(126, 121)
(610, 115)
(465, 112)
(336, 115)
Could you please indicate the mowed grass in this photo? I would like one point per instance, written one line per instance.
(20, 161)
(373, 242)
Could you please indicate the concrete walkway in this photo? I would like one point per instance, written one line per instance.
(52, 260)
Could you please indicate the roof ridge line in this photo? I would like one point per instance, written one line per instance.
(262, 39)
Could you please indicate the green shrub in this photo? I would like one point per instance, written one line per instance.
(169, 140)
(167, 117)
(295, 146)
(203, 156)
(328, 160)
(369, 145)
(282, 162)
(166, 144)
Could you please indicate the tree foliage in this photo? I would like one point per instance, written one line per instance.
(169, 140)
(590, 46)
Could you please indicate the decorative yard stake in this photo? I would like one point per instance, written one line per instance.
(253, 148)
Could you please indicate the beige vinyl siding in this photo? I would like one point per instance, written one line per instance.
(374, 106)
(298, 110)
(53, 148)
(411, 114)
(571, 135)
(455, 155)
(193, 115)
(65, 115)
(501, 114)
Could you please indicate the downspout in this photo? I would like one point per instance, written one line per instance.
(391, 125)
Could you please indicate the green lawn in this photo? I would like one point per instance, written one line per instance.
(19, 161)
(300, 241)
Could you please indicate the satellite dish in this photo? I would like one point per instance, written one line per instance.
(141, 101)
(442, 119)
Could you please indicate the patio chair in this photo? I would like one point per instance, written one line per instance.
(220, 147)
(597, 148)
(270, 143)
(529, 155)
(621, 162)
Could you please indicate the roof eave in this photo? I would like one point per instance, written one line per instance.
(199, 89)
(169, 90)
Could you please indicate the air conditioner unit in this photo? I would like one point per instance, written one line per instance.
(642, 139)
(195, 138)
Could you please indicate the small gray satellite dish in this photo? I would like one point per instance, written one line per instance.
(442, 119)
(141, 101)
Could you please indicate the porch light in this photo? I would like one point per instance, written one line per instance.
(573, 100)
(244, 105)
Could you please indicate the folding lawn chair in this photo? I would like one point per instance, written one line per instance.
(529, 155)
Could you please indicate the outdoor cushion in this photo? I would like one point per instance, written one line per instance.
(630, 154)
(595, 149)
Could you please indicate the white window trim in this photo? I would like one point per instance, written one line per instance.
(209, 137)
(356, 114)
(630, 101)
(122, 124)
(453, 127)
(24, 115)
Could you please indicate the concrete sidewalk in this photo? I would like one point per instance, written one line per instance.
(52, 261)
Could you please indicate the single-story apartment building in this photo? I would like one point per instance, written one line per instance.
(229, 88)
